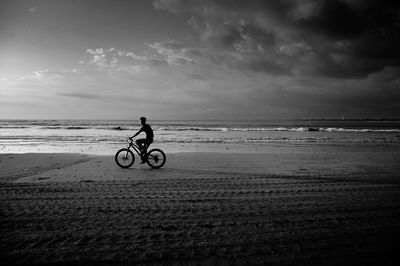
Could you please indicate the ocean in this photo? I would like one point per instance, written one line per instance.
(107, 136)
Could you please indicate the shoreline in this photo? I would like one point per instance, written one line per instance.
(364, 161)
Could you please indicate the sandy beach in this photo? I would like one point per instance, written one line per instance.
(292, 206)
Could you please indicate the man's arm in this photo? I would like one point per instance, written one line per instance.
(137, 133)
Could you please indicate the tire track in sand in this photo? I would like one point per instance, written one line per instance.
(200, 220)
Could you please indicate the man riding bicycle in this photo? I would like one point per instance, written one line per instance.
(144, 143)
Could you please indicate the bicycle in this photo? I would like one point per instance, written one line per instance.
(125, 158)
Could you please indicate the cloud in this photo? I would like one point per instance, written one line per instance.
(114, 59)
(388, 75)
(80, 95)
(266, 66)
(38, 77)
(32, 9)
(294, 49)
(365, 34)
(175, 53)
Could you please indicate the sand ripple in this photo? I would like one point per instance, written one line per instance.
(215, 219)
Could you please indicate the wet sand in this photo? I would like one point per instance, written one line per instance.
(303, 207)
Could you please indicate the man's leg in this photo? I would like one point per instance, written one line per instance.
(142, 146)
(141, 143)
(148, 142)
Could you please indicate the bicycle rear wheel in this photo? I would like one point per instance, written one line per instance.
(124, 158)
(156, 158)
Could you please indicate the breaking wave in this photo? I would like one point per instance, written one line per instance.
(287, 129)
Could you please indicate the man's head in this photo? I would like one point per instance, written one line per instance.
(143, 120)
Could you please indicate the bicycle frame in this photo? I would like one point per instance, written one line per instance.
(136, 148)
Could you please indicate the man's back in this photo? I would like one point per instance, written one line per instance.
(148, 130)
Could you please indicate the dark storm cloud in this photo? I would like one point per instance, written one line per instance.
(335, 19)
(339, 38)
(349, 19)
(366, 33)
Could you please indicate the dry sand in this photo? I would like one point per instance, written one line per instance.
(302, 207)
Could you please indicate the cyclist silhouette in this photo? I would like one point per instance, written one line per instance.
(144, 143)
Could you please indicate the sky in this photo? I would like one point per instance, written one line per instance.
(199, 59)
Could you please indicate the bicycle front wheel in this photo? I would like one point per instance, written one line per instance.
(124, 158)
(156, 158)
